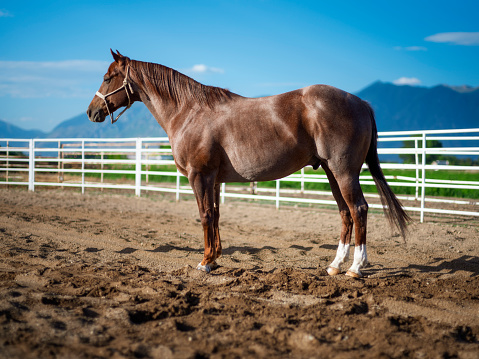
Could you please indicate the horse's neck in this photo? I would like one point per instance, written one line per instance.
(163, 111)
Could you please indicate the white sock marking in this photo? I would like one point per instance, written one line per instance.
(205, 268)
(342, 255)
(360, 259)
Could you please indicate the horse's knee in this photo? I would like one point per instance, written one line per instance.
(360, 211)
(364, 207)
(207, 218)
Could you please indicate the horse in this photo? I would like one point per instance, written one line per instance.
(218, 136)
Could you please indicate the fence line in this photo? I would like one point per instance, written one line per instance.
(31, 162)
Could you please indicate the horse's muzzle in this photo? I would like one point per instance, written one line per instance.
(96, 115)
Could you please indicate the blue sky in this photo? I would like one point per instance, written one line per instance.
(53, 54)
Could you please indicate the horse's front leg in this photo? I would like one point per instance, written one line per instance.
(217, 220)
(203, 188)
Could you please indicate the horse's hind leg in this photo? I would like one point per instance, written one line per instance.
(216, 221)
(342, 254)
(354, 198)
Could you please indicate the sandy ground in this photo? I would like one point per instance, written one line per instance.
(112, 276)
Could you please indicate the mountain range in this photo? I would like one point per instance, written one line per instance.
(397, 108)
(407, 108)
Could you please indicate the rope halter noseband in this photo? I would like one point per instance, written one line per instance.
(126, 85)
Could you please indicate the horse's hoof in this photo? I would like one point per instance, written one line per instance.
(352, 274)
(333, 271)
(205, 268)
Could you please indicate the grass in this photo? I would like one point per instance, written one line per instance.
(435, 191)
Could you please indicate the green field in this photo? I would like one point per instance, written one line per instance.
(442, 175)
(430, 174)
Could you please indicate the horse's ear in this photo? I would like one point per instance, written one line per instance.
(121, 60)
(117, 57)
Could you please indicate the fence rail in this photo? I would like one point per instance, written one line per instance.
(146, 164)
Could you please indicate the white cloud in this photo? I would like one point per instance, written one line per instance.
(203, 69)
(458, 38)
(5, 13)
(66, 79)
(412, 81)
(73, 65)
(410, 48)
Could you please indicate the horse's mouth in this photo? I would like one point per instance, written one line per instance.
(98, 116)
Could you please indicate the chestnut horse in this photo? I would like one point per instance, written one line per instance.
(217, 136)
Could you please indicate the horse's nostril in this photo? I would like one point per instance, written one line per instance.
(88, 112)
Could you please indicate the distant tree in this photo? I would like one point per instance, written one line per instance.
(11, 153)
(410, 157)
(453, 160)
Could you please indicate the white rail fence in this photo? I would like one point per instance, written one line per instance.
(146, 164)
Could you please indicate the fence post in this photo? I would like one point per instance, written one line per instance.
(8, 163)
(147, 167)
(102, 167)
(302, 180)
(423, 189)
(82, 166)
(416, 157)
(59, 163)
(31, 165)
(138, 167)
(177, 186)
(223, 191)
(277, 194)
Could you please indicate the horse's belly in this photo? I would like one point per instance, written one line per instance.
(261, 166)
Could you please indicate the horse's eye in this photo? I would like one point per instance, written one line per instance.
(107, 80)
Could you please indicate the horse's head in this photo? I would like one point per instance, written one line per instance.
(115, 91)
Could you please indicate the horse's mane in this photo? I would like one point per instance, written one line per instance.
(177, 87)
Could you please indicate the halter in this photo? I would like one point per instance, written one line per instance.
(126, 85)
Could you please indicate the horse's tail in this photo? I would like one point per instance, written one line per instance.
(393, 210)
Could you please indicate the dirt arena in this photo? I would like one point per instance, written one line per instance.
(113, 276)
